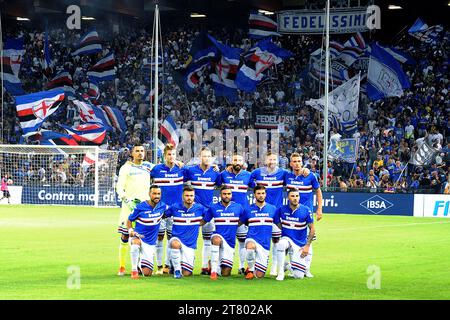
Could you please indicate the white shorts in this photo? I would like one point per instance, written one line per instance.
(165, 225)
(262, 256)
(207, 230)
(276, 232)
(294, 251)
(241, 232)
(125, 212)
(187, 256)
(226, 253)
(147, 254)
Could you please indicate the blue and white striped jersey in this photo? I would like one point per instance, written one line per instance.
(260, 222)
(294, 223)
(239, 184)
(186, 222)
(147, 220)
(170, 180)
(305, 186)
(203, 182)
(226, 220)
(273, 182)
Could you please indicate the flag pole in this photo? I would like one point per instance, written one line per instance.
(155, 112)
(325, 110)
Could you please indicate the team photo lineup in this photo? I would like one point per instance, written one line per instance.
(224, 152)
(156, 200)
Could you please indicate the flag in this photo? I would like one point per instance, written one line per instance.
(91, 113)
(93, 91)
(202, 49)
(87, 133)
(194, 75)
(89, 43)
(168, 131)
(226, 70)
(103, 70)
(62, 81)
(261, 26)
(356, 40)
(385, 76)
(115, 118)
(344, 149)
(49, 138)
(399, 55)
(88, 160)
(422, 32)
(342, 105)
(265, 55)
(15, 50)
(11, 82)
(425, 153)
(33, 109)
(47, 63)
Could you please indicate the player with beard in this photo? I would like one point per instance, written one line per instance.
(239, 180)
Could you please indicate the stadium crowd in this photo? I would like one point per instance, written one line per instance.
(388, 128)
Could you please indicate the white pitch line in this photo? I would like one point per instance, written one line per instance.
(389, 225)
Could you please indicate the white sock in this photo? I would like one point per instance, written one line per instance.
(134, 253)
(215, 258)
(250, 259)
(175, 257)
(274, 256)
(242, 254)
(206, 252)
(281, 259)
(308, 259)
(167, 260)
(159, 252)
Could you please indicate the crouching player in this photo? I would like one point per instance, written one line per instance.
(260, 217)
(148, 216)
(295, 219)
(227, 216)
(187, 218)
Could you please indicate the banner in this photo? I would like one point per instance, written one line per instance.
(269, 121)
(344, 149)
(432, 206)
(67, 196)
(313, 22)
(358, 203)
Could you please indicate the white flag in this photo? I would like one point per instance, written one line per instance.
(343, 104)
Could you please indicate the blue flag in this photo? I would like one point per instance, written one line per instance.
(385, 76)
(265, 54)
(226, 70)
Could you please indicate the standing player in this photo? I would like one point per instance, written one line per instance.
(169, 176)
(187, 217)
(272, 177)
(305, 186)
(295, 219)
(239, 181)
(227, 215)
(147, 215)
(4, 187)
(260, 217)
(132, 186)
(203, 177)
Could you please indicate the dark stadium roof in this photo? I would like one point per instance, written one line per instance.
(434, 12)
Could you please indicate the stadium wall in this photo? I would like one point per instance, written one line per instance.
(418, 205)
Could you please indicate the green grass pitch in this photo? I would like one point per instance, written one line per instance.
(39, 243)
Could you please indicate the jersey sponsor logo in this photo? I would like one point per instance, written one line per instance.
(376, 204)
